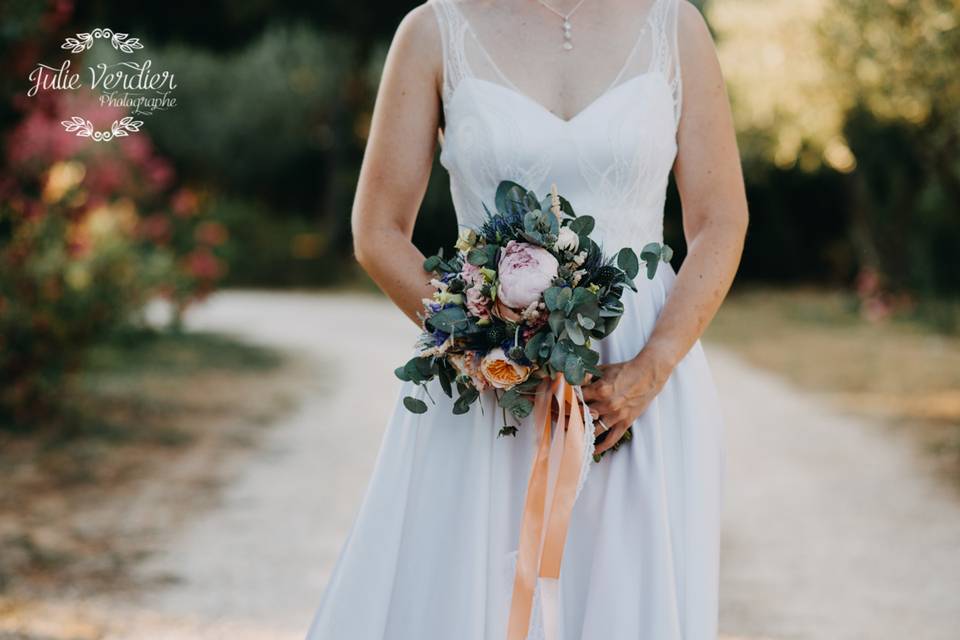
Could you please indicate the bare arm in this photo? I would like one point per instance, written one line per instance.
(397, 161)
(710, 180)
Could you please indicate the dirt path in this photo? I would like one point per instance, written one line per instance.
(833, 526)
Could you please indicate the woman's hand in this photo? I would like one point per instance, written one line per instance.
(623, 394)
(710, 182)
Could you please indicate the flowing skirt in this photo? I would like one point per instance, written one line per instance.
(432, 550)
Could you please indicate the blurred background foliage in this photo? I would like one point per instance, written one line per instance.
(846, 110)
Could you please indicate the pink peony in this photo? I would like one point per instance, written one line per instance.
(477, 303)
(525, 272)
(470, 273)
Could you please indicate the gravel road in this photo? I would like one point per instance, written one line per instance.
(834, 526)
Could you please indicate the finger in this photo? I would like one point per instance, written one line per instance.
(598, 427)
(602, 407)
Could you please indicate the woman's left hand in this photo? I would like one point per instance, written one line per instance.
(622, 394)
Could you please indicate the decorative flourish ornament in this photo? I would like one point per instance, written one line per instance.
(119, 129)
(120, 41)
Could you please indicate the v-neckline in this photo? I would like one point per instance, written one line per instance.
(510, 86)
(562, 121)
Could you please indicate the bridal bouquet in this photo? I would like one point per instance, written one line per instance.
(520, 300)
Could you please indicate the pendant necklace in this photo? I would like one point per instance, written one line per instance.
(567, 36)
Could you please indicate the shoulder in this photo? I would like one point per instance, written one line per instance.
(421, 21)
(694, 40)
(417, 43)
(691, 25)
(419, 26)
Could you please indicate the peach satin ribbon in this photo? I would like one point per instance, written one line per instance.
(541, 550)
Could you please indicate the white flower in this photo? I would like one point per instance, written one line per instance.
(576, 275)
(580, 258)
(567, 240)
(466, 239)
(445, 297)
(532, 311)
(555, 201)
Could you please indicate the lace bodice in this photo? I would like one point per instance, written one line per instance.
(612, 159)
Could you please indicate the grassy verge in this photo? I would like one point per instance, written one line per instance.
(146, 421)
(898, 369)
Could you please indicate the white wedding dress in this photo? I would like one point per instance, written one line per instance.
(431, 553)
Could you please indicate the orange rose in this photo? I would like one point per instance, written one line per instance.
(502, 372)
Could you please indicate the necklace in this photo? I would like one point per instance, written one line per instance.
(567, 36)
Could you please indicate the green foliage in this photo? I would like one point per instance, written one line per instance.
(256, 122)
(271, 248)
(899, 64)
(581, 304)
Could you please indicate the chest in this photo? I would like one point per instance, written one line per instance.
(493, 131)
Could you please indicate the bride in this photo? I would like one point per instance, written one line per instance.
(604, 98)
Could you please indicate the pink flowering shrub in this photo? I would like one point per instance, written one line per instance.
(89, 231)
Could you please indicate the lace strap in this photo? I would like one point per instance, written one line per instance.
(453, 28)
(666, 56)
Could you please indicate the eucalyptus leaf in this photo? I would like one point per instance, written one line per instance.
(582, 295)
(477, 257)
(556, 320)
(533, 237)
(531, 221)
(573, 369)
(551, 298)
(522, 408)
(448, 320)
(547, 345)
(574, 332)
(651, 250)
(559, 355)
(651, 269)
(431, 263)
(627, 261)
(414, 405)
(510, 197)
(610, 324)
(424, 366)
(530, 200)
(583, 225)
(462, 404)
(532, 348)
(445, 374)
(509, 398)
(412, 370)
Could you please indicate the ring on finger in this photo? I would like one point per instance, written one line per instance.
(604, 424)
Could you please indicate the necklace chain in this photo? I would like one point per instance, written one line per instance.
(567, 27)
(565, 16)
